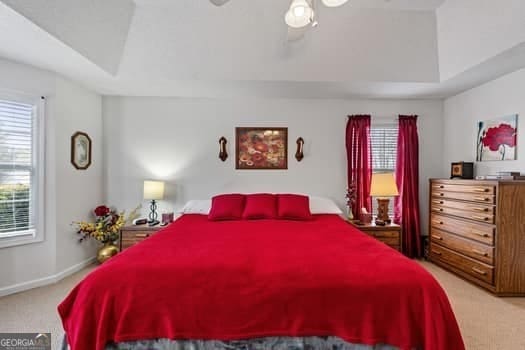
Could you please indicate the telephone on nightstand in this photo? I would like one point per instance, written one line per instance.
(139, 221)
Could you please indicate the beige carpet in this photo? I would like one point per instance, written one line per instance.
(487, 322)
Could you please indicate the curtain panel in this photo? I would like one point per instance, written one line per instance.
(358, 150)
(406, 207)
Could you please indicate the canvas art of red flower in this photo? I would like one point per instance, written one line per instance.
(503, 134)
(261, 148)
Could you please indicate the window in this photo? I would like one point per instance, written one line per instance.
(21, 155)
(383, 137)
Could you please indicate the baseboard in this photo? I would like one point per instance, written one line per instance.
(20, 287)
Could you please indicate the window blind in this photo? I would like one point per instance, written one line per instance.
(384, 147)
(16, 169)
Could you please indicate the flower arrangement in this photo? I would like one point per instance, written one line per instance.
(107, 225)
(351, 195)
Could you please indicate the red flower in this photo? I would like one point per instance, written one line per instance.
(101, 210)
(501, 135)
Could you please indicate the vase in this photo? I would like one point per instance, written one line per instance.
(350, 214)
(106, 252)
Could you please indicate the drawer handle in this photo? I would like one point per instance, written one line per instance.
(485, 235)
(484, 190)
(442, 194)
(481, 209)
(476, 217)
(142, 235)
(438, 202)
(441, 186)
(478, 271)
(437, 253)
(438, 222)
(485, 199)
(439, 238)
(479, 252)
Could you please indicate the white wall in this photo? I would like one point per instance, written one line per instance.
(69, 194)
(498, 98)
(473, 31)
(177, 140)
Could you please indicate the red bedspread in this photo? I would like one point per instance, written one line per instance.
(198, 279)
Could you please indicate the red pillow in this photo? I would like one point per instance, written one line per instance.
(226, 207)
(293, 207)
(260, 206)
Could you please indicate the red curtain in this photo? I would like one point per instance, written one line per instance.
(358, 151)
(406, 211)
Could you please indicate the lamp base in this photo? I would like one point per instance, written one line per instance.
(382, 210)
(153, 214)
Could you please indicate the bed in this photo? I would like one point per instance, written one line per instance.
(259, 284)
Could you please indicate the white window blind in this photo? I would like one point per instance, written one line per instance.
(384, 147)
(17, 169)
(384, 152)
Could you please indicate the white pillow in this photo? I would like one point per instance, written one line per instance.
(322, 205)
(197, 206)
(318, 205)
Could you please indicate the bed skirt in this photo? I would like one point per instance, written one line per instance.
(268, 343)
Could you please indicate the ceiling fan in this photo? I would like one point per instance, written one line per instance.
(299, 16)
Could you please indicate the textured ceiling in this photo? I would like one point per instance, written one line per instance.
(189, 48)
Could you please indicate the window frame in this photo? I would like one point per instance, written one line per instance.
(378, 122)
(36, 234)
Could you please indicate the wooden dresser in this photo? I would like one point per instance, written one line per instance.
(477, 231)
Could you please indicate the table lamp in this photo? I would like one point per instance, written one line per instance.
(383, 186)
(153, 190)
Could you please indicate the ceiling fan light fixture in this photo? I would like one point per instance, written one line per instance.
(334, 3)
(299, 15)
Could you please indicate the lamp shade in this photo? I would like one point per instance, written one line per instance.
(299, 15)
(383, 185)
(334, 3)
(153, 189)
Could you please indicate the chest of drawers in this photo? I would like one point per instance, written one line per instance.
(477, 231)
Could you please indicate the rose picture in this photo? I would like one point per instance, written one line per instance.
(261, 148)
(497, 139)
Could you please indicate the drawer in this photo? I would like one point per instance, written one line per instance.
(384, 234)
(130, 238)
(487, 217)
(475, 189)
(474, 268)
(475, 250)
(483, 233)
(473, 207)
(473, 197)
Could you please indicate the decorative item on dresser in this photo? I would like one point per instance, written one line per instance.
(131, 235)
(477, 231)
(388, 234)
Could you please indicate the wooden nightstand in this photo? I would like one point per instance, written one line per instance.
(388, 234)
(131, 235)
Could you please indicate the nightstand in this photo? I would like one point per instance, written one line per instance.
(131, 235)
(388, 234)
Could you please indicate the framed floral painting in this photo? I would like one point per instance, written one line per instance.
(497, 139)
(261, 148)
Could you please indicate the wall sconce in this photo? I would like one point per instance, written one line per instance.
(223, 155)
(299, 155)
